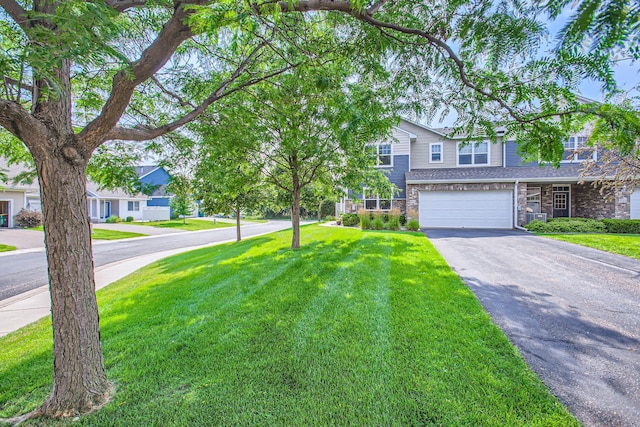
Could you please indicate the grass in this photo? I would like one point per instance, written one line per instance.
(190, 225)
(6, 248)
(103, 234)
(355, 328)
(622, 244)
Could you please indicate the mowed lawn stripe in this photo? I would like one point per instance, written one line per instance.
(355, 328)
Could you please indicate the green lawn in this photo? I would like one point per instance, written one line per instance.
(6, 248)
(190, 225)
(623, 244)
(356, 328)
(103, 234)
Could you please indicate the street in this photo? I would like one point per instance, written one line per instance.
(22, 272)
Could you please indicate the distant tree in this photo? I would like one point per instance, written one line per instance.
(182, 201)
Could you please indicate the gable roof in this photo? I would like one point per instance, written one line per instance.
(94, 191)
(143, 171)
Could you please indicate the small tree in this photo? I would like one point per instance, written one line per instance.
(182, 202)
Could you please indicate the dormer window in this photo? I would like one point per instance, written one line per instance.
(576, 150)
(473, 153)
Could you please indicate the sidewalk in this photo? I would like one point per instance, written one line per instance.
(23, 309)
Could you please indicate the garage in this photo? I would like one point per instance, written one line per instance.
(466, 209)
(634, 204)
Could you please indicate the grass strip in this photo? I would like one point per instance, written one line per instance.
(189, 225)
(622, 244)
(6, 248)
(355, 328)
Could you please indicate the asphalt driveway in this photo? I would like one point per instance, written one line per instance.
(573, 312)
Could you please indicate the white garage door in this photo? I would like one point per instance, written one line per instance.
(635, 204)
(470, 209)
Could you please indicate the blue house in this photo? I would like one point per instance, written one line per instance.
(156, 178)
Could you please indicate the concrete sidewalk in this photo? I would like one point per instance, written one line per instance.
(23, 309)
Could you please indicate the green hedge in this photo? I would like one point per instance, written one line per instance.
(627, 226)
(567, 225)
(350, 220)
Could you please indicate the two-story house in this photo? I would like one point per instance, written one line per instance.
(484, 185)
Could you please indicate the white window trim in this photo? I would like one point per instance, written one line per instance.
(378, 165)
(133, 202)
(473, 154)
(431, 144)
(575, 158)
(377, 199)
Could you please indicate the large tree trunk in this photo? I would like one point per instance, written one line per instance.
(79, 379)
(238, 237)
(295, 213)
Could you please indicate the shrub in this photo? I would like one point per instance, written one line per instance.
(113, 219)
(567, 225)
(394, 219)
(377, 223)
(330, 218)
(28, 219)
(413, 225)
(350, 220)
(630, 226)
(129, 219)
(365, 219)
(403, 220)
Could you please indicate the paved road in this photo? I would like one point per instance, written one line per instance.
(573, 312)
(23, 272)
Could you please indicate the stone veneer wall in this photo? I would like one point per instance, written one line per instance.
(589, 203)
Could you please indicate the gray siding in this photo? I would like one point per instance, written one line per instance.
(396, 174)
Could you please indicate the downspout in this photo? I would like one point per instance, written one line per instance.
(515, 207)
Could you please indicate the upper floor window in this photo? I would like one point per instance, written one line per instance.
(575, 149)
(473, 153)
(435, 152)
(383, 154)
(133, 206)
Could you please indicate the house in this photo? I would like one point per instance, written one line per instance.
(101, 204)
(16, 196)
(156, 179)
(485, 185)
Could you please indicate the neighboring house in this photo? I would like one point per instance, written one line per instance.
(484, 185)
(103, 204)
(15, 197)
(156, 178)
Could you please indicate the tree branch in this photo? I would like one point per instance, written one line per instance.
(376, 6)
(143, 134)
(174, 32)
(13, 82)
(16, 12)
(122, 5)
(21, 124)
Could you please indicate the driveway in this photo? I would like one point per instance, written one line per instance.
(573, 312)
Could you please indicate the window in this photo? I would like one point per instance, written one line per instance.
(533, 199)
(435, 149)
(473, 153)
(373, 202)
(133, 206)
(575, 149)
(383, 154)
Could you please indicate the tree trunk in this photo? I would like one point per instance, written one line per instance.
(238, 237)
(295, 213)
(79, 379)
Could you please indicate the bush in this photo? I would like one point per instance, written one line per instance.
(413, 225)
(330, 218)
(112, 219)
(630, 226)
(403, 220)
(350, 220)
(365, 219)
(377, 223)
(567, 225)
(129, 219)
(28, 219)
(394, 219)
